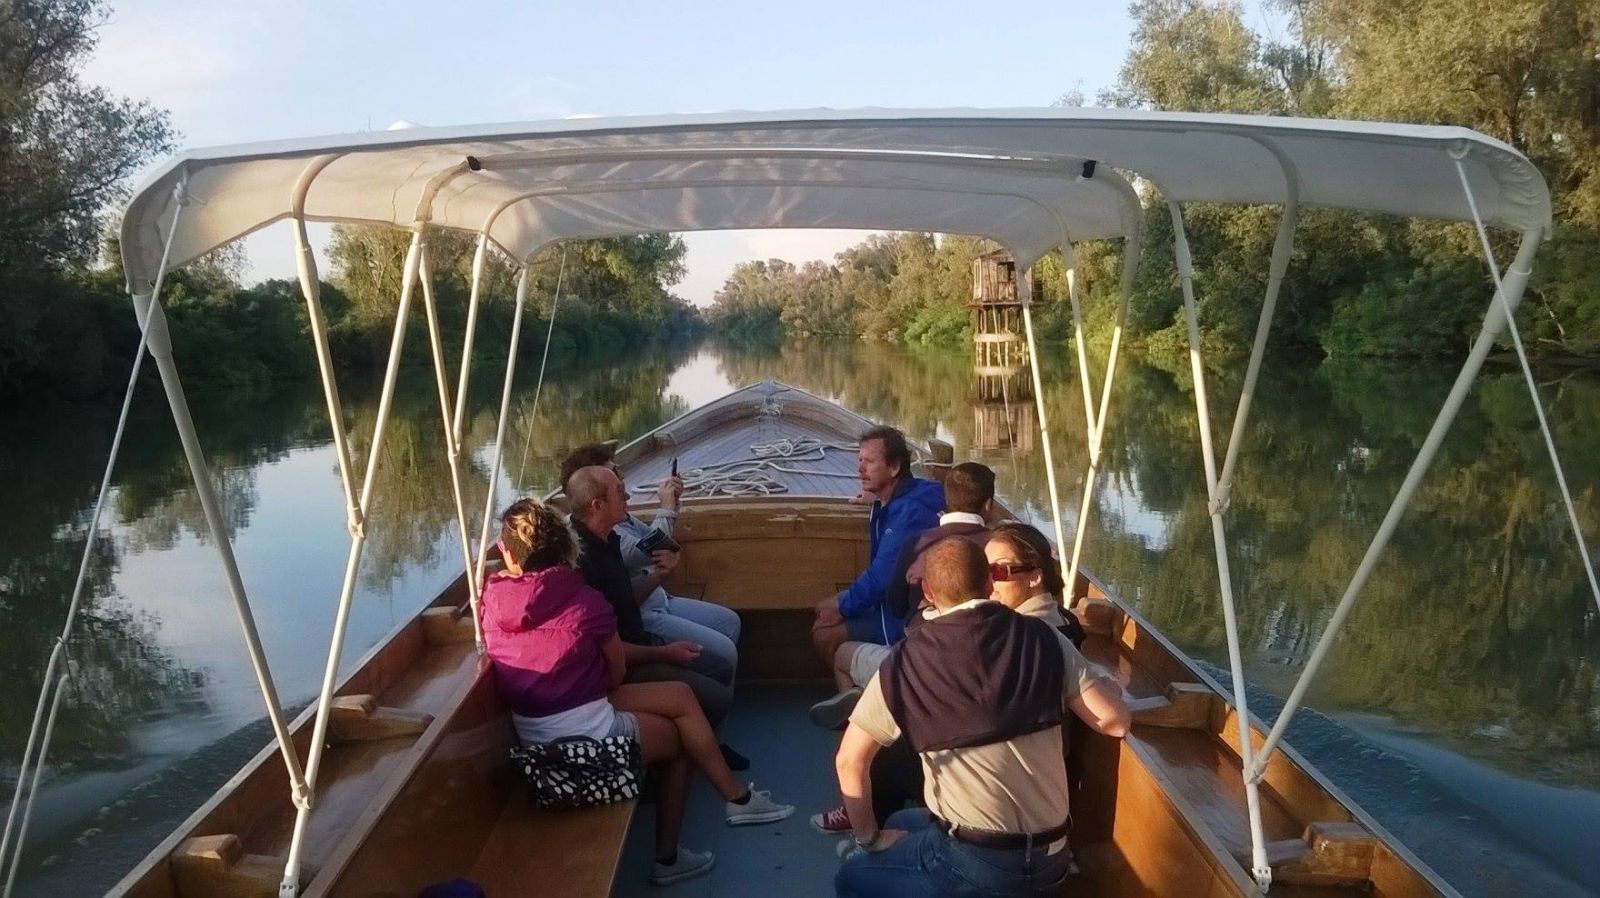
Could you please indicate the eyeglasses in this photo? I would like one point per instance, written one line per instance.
(1002, 571)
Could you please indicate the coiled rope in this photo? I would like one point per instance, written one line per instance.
(752, 477)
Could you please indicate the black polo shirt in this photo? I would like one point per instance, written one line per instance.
(601, 562)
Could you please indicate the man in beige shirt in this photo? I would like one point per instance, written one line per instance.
(980, 692)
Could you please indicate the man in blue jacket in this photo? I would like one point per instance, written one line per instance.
(903, 506)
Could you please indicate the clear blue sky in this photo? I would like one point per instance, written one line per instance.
(233, 72)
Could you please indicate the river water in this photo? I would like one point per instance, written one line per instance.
(1461, 706)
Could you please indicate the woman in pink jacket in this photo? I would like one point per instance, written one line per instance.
(558, 666)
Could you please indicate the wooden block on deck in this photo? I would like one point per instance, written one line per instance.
(359, 717)
(1099, 616)
(1185, 706)
(217, 865)
(1337, 853)
(442, 626)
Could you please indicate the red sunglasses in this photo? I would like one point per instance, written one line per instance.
(1002, 571)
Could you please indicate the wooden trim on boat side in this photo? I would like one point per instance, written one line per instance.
(263, 780)
(475, 735)
(1290, 781)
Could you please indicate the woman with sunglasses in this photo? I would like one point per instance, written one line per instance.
(1027, 578)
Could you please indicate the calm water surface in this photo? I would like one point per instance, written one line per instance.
(1461, 706)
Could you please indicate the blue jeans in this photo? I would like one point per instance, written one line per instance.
(713, 627)
(929, 862)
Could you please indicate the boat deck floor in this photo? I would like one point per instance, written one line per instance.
(788, 756)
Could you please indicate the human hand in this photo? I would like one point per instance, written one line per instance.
(828, 613)
(670, 491)
(665, 561)
(680, 652)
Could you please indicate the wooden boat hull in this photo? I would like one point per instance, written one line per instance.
(1158, 813)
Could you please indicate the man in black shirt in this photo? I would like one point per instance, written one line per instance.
(599, 504)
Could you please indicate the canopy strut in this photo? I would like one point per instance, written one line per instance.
(452, 448)
(500, 427)
(1507, 296)
(1025, 287)
(1261, 870)
(1527, 376)
(544, 361)
(57, 653)
(290, 885)
(1097, 430)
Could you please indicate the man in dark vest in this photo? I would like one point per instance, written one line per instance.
(980, 692)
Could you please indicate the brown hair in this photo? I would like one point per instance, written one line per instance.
(968, 487)
(583, 457)
(895, 448)
(536, 536)
(954, 571)
(1032, 549)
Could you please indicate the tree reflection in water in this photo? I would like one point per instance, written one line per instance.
(1477, 628)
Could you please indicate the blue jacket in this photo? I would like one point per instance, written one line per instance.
(913, 508)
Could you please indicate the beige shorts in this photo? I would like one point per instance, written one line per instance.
(866, 661)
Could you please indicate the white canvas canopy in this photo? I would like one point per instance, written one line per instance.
(1012, 175)
(1030, 179)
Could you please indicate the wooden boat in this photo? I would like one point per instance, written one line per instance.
(416, 788)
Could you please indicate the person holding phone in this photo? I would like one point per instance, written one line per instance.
(650, 555)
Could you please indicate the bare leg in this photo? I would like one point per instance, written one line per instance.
(659, 740)
(827, 630)
(841, 665)
(675, 702)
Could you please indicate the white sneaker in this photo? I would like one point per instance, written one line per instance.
(759, 809)
(688, 865)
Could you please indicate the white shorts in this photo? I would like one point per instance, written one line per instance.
(866, 661)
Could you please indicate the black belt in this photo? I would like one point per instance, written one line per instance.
(984, 838)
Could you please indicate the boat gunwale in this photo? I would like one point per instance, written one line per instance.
(162, 852)
(346, 847)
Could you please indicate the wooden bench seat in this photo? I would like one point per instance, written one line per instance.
(553, 854)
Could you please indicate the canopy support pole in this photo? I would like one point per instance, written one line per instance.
(1130, 267)
(1282, 251)
(290, 885)
(544, 362)
(1261, 870)
(1507, 296)
(452, 450)
(33, 788)
(500, 426)
(58, 652)
(1527, 376)
(1025, 287)
(311, 289)
(479, 260)
(160, 342)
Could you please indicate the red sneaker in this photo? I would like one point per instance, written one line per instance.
(834, 823)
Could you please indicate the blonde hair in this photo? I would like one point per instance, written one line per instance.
(535, 536)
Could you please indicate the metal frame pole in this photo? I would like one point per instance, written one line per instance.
(1527, 377)
(1282, 251)
(1507, 297)
(311, 289)
(57, 652)
(1260, 868)
(452, 451)
(1025, 282)
(160, 343)
(500, 427)
(33, 790)
(1130, 267)
(290, 885)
